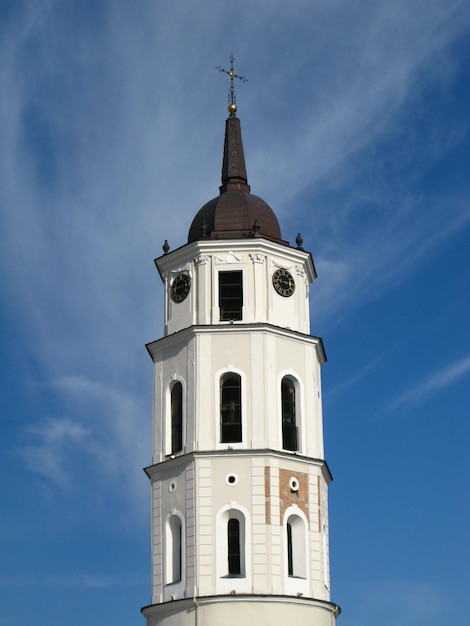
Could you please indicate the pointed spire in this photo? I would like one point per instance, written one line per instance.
(233, 165)
(234, 176)
(235, 213)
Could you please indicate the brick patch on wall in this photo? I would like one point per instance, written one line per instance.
(288, 497)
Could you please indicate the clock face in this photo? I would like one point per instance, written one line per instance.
(283, 283)
(180, 287)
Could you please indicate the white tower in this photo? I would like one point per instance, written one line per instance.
(238, 477)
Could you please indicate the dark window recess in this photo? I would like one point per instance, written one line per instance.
(290, 558)
(179, 554)
(230, 295)
(176, 418)
(289, 428)
(230, 409)
(233, 545)
(176, 556)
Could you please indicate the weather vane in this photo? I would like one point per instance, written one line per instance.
(232, 100)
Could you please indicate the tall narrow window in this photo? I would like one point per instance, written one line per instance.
(230, 295)
(231, 544)
(289, 427)
(233, 547)
(176, 417)
(290, 556)
(173, 550)
(296, 547)
(230, 408)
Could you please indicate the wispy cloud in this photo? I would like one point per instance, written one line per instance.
(358, 270)
(113, 149)
(404, 602)
(356, 377)
(434, 384)
(103, 433)
(55, 438)
(100, 125)
(94, 580)
(78, 580)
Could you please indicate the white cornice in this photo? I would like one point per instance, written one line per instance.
(200, 601)
(237, 327)
(255, 245)
(190, 457)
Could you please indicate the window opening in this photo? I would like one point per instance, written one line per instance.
(296, 548)
(174, 550)
(230, 295)
(233, 545)
(230, 409)
(289, 428)
(176, 417)
(290, 562)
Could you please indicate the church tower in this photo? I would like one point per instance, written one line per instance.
(238, 477)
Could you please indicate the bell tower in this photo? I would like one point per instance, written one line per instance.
(238, 477)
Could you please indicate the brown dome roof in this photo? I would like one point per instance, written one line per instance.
(235, 213)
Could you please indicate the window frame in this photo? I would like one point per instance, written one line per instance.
(235, 312)
(176, 449)
(226, 582)
(296, 546)
(174, 549)
(235, 547)
(168, 417)
(296, 551)
(296, 427)
(224, 414)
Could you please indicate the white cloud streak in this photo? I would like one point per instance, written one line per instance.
(77, 580)
(105, 434)
(435, 383)
(356, 376)
(55, 437)
(98, 226)
(112, 140)
(404, 602)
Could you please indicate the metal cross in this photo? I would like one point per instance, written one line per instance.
(232, 100)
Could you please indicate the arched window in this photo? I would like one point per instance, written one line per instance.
(290, 551)
(173, 550)
(296, 547)
(233, 547)
(288, 406)
(233, 550)
(230, 408)
(176, 417)
(234, 521)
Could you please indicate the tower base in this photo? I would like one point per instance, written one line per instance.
(234, 610)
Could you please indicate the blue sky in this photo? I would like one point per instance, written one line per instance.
(356, 131)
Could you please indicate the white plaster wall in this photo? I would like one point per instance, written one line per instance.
(205, 528)
(266, 569)
(258, 259)
(199, 489)
(172, 491)
(261, 358)
(239, 610)
(270, 342)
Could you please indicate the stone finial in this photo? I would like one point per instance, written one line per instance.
(204, 229)
(299, 241)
